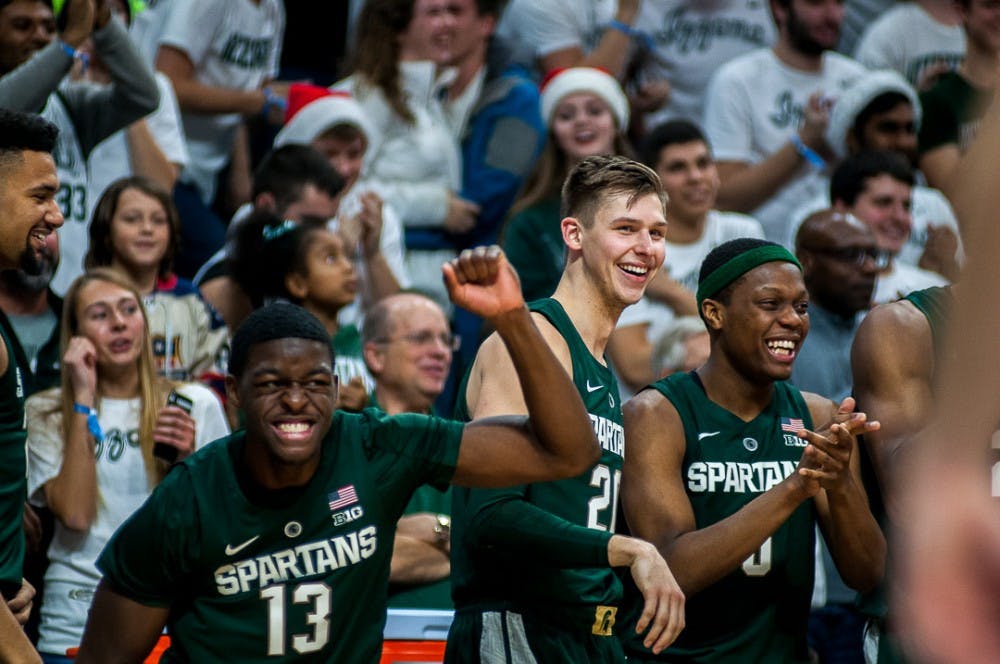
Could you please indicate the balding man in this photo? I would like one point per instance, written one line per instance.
(408, 348)
(840, 262)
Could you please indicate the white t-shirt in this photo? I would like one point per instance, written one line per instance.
(71, 167)
(692, 40)
(536, 28)
(683, 261)
(122, 483)
(233, 44)
(754, 105)
(907, 39)
(111, 160)
(903, 279)
(147, 26)
(928, 207)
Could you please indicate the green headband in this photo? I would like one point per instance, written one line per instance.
(737, 266)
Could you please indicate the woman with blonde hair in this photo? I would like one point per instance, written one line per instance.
(91, 441)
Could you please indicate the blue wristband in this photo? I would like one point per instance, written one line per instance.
(632, 32)
(808, 153)
(75, 54)
(93, 426)
(272, 100)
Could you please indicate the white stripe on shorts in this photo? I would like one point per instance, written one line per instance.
(495, 649)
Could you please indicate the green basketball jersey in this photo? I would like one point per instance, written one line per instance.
(550, 522)
(13, 482)
(934, 303)
(760, 611)
(301, 576)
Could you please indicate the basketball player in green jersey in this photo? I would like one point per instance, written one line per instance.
(893, 361)
(532, 566)
(727, 473)
(28, 214)
(274, 544)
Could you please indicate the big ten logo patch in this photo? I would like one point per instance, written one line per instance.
(346, 516)
(604, 620)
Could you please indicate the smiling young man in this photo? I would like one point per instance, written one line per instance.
(532, 565)
(877, 188)
(727, 475)
(28, 209)
(274, 544)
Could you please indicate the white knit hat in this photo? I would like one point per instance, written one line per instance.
(321, 110)
(857, 97)
(562, 82)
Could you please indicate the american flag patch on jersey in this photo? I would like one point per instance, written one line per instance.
(792, 424)
(342, 497)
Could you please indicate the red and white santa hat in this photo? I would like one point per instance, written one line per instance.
(313, 110)
(559, 83)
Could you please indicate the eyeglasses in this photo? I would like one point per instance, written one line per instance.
(427, 338)
(856, 256)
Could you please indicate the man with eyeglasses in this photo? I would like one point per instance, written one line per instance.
(876, 187)
(840, 262)
(408, 350)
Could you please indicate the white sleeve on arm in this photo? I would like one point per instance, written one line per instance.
(190, 26)
(44, 445)
(727, 121)
(165, 124)
(550, 25)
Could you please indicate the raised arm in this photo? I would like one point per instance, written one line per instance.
(556, 439)
(99, 111)
(746, 186)
(119, 630)
(72, 493)
(849, 528)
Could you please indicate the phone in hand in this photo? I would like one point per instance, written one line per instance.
(166, 451)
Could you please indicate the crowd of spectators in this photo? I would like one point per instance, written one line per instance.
(201, 178)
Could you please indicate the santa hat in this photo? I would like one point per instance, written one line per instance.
(562, 82)
(313, 110)
(856, 98)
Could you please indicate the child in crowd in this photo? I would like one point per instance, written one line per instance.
(135, 231)
(336, 126)
(309, 266)
(91, 441)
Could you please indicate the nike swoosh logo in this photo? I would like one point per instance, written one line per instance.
(708, 434)
(593, 388)
(233, 550)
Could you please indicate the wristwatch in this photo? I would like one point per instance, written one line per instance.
(442, 529)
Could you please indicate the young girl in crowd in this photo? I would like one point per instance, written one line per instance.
(587, 114)
(306, 264)
(91, 441)
(135, 231)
